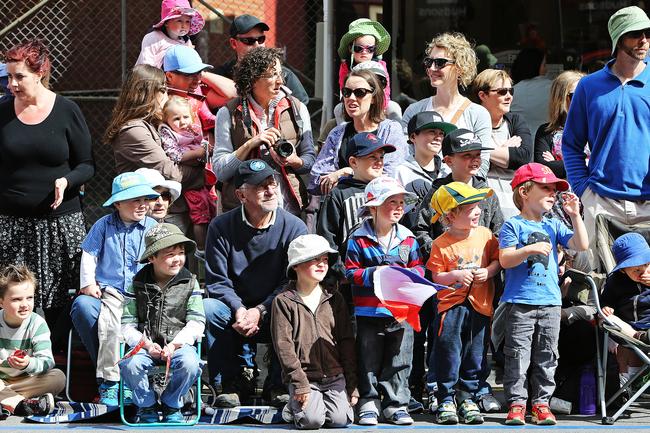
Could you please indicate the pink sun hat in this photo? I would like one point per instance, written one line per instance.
(171, 9)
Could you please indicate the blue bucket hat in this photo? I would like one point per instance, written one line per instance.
(630, 249)
(130, 185)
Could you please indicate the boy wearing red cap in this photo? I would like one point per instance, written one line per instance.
(532, 295)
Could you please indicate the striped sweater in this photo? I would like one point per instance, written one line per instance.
(32, 336)
(364, 254)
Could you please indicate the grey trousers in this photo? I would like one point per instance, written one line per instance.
(109, 334)
(532, 333)
(327, 405)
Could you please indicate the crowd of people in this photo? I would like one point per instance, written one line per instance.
(488, 199)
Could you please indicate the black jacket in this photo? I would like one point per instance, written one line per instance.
(523, 154)
(544, 143)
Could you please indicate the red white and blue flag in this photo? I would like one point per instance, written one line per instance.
(403, 292)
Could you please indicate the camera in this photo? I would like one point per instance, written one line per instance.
(283, 148)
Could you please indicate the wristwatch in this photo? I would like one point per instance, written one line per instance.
(262, 309)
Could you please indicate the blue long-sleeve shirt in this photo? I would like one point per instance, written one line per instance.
(614, 119)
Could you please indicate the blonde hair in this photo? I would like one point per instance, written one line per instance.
(462, 51)
(487, 80)
(445, 220)
(177, 101)
(557, 104)
(516, 193)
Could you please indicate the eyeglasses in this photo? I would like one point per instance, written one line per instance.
(251, 41)
(439, 62)
(637, 34)
(358, 93)
(503, 91)
(275, 75)
(363, 48)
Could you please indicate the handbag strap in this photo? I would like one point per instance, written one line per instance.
(460, 111)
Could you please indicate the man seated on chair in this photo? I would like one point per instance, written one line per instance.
(163, 317)
(626, 296)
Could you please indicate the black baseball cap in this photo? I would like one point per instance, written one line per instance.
(429, 120)
(244, 24)
(461, 140)
(365, 143)
(252, 172)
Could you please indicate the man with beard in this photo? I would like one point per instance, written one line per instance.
(610, 112)
(246, 259)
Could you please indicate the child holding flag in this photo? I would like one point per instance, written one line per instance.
(382, 241)
(465, 257)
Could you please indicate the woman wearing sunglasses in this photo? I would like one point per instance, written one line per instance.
(511, 138)
(363, 101)
(548, 139)
(450, 63)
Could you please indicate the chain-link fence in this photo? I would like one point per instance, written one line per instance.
(94, 42)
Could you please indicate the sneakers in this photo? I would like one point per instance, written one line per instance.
(470, 413)
(542, 415)
(108, 393)
(516, 415)
(415, 406)
(433, 402)
(447, 413)
(39, 406)
(368, 418)
(227, 400)
(147, 415)
(400, 417)
(172, 415)
(128, 395)
(239, 387)
(489, 404)
(278, 397)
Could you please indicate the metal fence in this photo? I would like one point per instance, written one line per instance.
(93, 43)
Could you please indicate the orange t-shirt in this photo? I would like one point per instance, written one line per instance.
(477, 251)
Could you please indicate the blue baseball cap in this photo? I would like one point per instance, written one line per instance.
(181, 58)
(365, 143)
(130, 185)
(630, 249)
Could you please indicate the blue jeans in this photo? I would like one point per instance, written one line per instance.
(185, 368)
(459, 351)
(85, 313)
(228, 351)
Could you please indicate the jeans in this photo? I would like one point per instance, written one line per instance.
(185, 368)
(385, 353)
(228, 351)
(532, 333)
(85, 313)
(459, 351)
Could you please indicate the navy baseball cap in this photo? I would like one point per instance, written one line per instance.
(461, 140)
(252, 172)
(429, 120)
(365, 143)
(244, 24)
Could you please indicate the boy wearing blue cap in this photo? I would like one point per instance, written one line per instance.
(110, 259)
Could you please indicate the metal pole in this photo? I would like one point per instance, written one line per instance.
(23, 17)
(328, 62)
(123, 39)
(394, 82)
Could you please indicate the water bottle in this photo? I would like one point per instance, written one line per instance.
(587, 404)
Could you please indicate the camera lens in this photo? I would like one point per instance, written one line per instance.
(283, 148)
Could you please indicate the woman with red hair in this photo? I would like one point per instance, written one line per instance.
(45, 157)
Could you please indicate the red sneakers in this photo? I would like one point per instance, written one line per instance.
(542, 415)
(516, 414)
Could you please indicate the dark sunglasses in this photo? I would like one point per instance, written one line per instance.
(251, 41)
(637, 34)
(166, 195)
(439, 62)
(358, 93)
(503, 91)
(363, 48)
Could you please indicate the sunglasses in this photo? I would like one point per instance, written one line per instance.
(503, 91)
(438, 62)
(363, 48)
(251, 41)
(166, 195)
(637, 34)
(358, 93)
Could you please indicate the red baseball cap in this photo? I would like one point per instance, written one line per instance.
(538, 173)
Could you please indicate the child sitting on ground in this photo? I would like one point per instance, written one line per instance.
(109, 261)
(528, 252)
(163, 308)
(384, 345)
(27, 376)
(185, 145)
(466, 258)
(307, 319)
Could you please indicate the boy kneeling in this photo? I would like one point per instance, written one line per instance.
(164, 308)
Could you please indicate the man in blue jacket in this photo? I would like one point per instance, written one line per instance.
(610, 112)
(246, 262)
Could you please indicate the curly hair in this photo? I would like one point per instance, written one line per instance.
(15, 274)
(557, 104)
(138, 99)
(255, 63)
(461, 50)
(376, 111)
(486, 80)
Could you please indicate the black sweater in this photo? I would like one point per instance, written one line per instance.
(523, 154)
(544, 143)
(32, 157)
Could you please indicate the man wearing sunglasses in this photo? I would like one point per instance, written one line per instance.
(246, 33)
(610, 112)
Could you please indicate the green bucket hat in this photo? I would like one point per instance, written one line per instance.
(363, 27)
(162, 236)
(626, 20)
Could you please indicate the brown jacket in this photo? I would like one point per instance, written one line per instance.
(311, 346)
